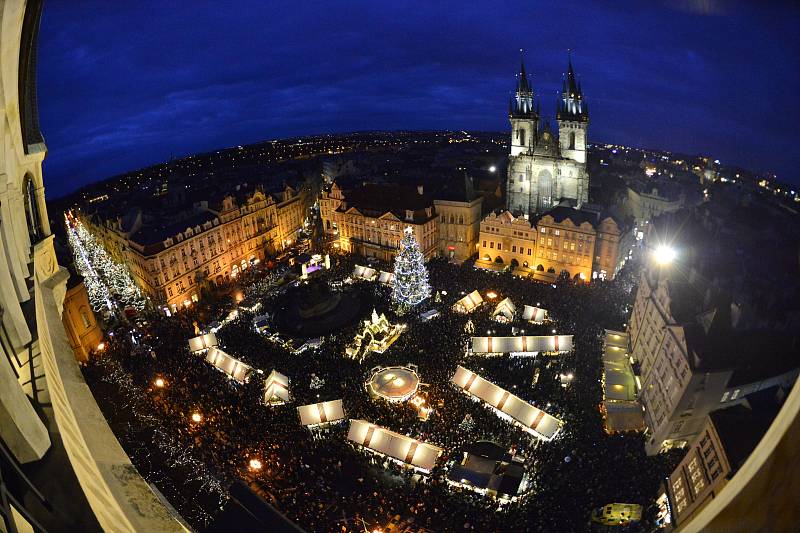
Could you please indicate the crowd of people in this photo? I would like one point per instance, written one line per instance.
(324, 483)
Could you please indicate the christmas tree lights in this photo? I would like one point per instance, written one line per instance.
(106, 280)
(410, 275)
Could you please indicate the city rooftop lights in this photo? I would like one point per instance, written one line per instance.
(664, 254)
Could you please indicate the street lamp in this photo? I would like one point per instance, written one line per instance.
(492, 168)
(197, 418)
(664, 254)
(159, 382)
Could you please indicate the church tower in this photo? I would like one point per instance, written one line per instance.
(524, 119)
(573, 119)
(543, 169)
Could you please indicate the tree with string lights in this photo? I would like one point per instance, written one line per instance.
(410, 275)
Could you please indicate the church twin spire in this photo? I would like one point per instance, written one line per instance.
(521, 105)
(571, 104)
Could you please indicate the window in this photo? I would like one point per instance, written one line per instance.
(735, 394)
(558, 232)
(499, 245)
(724, 397)
(514, 248)
(529, 251)
(543, 230)
(484, 244)
(491, 245)
(85, 319)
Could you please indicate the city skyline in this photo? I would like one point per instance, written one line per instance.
(118, 98)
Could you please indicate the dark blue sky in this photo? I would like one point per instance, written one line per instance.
(123, 85)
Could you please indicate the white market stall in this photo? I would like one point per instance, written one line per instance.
(417, 454)
(387, 278)
(229, 365)
(505, 310)
(276, 388)
(535, 315)
(468, 303)
(521, 345)
(365, 273)
(203, 342)
(315, 414)
(507, 405)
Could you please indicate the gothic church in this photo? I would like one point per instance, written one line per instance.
(544, 169)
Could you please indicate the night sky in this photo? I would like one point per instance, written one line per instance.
(123, 85)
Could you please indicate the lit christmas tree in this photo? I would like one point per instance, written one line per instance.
(410, 275)
(105, 279)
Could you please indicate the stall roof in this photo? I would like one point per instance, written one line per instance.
(405, 449)
(533, 419)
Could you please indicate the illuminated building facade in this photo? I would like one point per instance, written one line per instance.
(576, 242)
(370, 220)
(722, 446)
(172, 259)
(544, 169)
(695, 356)
(79, 321)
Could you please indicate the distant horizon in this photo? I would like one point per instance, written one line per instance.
(687, 77)
(219, 149)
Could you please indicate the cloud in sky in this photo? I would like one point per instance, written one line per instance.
(126, 85)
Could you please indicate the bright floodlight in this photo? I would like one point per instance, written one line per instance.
(664, 255)
(492, 168)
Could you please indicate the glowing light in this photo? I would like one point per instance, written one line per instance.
(255, 464)
(159, 382)
(101, 347)
(492, 168)
(197, 418)
(491, 295)
(398, 382)
(664, 255)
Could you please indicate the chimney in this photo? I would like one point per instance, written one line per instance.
(420, 190)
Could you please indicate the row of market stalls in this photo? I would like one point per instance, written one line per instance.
(523, 345)
(621, 408)
(508, 406)
(505, 311)
(384, 442)
(208, 346)
(370, 274)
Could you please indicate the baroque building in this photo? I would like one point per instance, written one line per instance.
(369, 219)
(172, 258)
(579, 243)
(544, 166)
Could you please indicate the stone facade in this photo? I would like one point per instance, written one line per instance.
(682, 378)
(171, 265)
(581, 244)
(458, 227)
(80, 323)
(543, 169)
(370, 221)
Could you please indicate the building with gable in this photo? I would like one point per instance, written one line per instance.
(580, 243)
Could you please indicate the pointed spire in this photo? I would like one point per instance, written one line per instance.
(523, 85)
(573, 89)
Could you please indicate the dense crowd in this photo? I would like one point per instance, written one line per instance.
(324, 483)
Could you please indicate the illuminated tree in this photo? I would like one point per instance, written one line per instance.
(410, 275)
